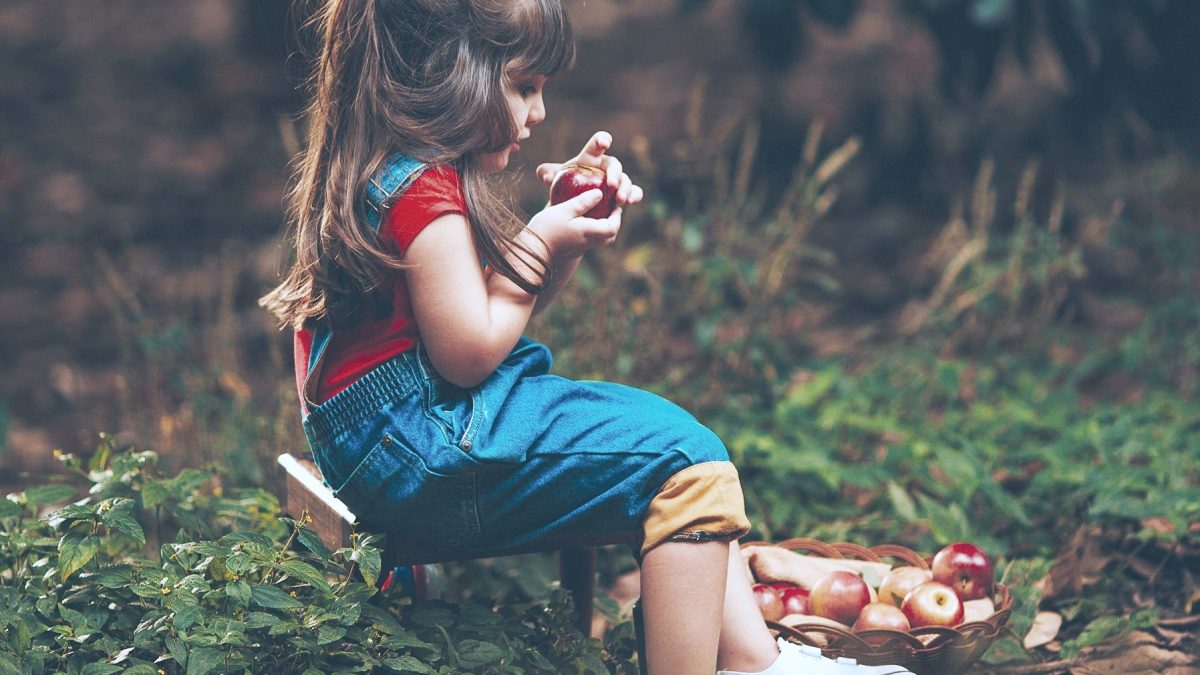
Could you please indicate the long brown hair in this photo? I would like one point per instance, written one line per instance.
(420, 77)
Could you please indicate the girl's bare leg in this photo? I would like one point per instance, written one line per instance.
(683, 596)
(746, 645)
(699, 611)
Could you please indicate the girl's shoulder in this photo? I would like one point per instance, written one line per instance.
(436, 192)
(436, 181)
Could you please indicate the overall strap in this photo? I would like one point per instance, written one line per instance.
(393, 178)
(397, 174)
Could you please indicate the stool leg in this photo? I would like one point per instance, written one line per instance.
(639, 633)
(577, 573)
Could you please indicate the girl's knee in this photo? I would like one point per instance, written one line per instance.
(706, 446)
(703, 502)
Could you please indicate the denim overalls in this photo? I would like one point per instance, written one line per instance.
(524, 458)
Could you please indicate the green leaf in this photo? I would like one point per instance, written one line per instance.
(327, 634)
(1098, 630)
(203, 660)
(408, 664)
(239, 591)
(302, 571)
(114, 576)
(74, 551)
(120, 517)
(474, 654)
(260, 620)
(48, 494)
(312, 542)
(238, 563)
(8, 667)
(74, 618)
(407, 640)
(154, 492)
(283, 627)
(273, 597)
(901, 502)
(9, 508)
(946, 522)
(186, 616)
(100, 669)
(369, 564)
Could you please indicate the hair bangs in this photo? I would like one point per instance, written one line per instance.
(545, 39)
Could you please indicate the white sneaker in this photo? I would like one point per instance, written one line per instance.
(797, 659)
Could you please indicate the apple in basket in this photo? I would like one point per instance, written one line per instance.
(900, 581)
(932, 604)
(795, 599)
(769, 603)
(840, 596)
(881, 616)
(573, 180)
(966, 568)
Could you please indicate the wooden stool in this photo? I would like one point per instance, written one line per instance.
(333, 522)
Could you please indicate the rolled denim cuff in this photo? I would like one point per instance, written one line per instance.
(703, 502)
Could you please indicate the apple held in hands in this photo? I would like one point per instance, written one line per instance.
(932, 604)
(839, 596)
(574, 179)
(966, 568)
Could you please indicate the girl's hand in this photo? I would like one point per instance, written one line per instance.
(567, 233)
(593, 155)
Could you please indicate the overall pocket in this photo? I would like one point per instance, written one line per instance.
(455, 411)
(393, 490)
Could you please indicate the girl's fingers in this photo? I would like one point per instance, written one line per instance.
(547, 171)
(606, 229)
(581, 203)
(628, 192)
(624, 189)
(612, 170)
(593, 151)
(635, 194)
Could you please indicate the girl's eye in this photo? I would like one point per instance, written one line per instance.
(527, 89)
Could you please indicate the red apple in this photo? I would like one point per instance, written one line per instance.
(881, 616)
(966, 568)
(574, 180)
(900, 581)
(768, 601)
(839, 596)
(795, 599)
(932, 604)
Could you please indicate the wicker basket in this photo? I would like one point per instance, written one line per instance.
(930, 650)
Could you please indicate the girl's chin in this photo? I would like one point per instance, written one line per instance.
(493, 162)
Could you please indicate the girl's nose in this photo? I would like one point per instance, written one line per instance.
(537, 111)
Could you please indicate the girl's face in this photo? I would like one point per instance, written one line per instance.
(523, 92)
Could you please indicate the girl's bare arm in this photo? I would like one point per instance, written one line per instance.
(469, 319)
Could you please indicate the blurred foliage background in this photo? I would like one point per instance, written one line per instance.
(928, 266)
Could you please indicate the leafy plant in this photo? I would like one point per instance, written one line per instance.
(234, 588)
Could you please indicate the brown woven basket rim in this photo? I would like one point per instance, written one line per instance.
(849, 550)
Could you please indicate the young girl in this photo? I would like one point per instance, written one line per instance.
(426, 410)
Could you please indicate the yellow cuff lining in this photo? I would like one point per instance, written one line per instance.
(703, 502)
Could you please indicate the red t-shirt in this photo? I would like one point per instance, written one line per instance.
(354, 351)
